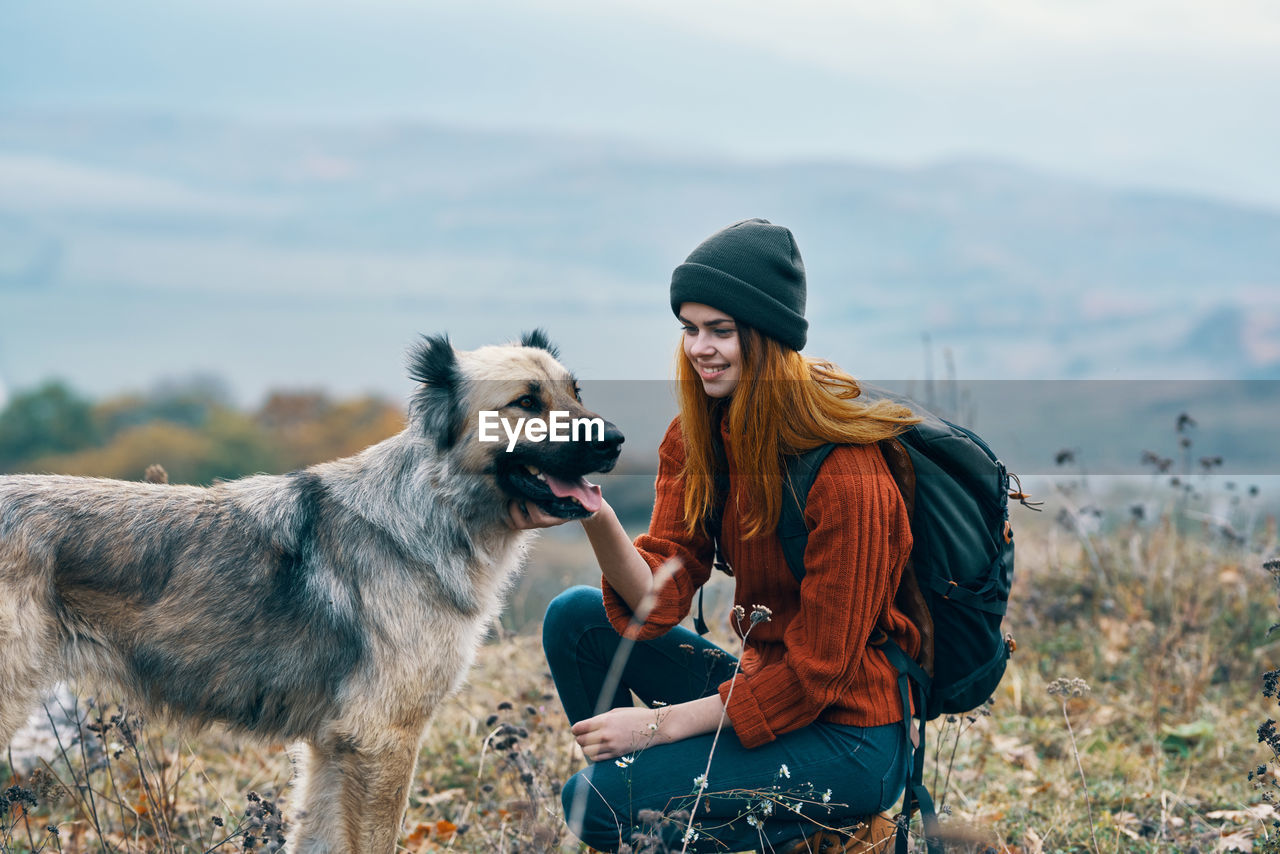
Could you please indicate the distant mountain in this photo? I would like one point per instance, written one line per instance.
(137, 247)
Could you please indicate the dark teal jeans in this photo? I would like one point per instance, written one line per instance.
(821, 775)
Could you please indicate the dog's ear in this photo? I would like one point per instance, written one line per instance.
(538, 338)
(438, 400)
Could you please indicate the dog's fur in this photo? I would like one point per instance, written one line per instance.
(335, 606)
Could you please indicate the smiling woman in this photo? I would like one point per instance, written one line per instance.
(712, 348)
(813, 703)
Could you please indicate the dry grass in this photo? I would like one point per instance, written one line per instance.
(1168, 627)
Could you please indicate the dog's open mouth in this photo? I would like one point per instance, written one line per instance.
(569, 497)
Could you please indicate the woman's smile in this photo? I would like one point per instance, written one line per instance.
(712, 346)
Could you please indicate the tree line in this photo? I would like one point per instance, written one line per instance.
(192, 429)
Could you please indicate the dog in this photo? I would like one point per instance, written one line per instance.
(334, 607)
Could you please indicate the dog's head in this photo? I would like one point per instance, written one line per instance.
(513, 413)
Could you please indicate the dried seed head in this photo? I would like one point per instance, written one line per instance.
(650, 817)
(1065, 687)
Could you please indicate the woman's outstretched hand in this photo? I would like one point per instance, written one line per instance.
(525, 515)
(618, 732)
(626, 730)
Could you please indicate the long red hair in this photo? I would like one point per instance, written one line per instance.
(784, 403)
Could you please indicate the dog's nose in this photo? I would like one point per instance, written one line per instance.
(610, 444)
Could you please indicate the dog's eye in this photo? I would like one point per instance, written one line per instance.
(577, 392)
(527, 401)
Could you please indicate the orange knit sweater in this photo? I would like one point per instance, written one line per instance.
(811, 660)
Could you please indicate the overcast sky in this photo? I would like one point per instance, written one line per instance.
(1163, 93)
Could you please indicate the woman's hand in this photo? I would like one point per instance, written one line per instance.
(621, 564)
(525, 515)
(618, 732)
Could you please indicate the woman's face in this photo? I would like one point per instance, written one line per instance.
(712, 346)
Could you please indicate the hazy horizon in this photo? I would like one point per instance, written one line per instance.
(1133, 94)
(286, 195)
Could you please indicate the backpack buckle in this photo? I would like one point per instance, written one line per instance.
(880, 638)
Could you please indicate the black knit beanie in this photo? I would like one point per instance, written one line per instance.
(751, 271)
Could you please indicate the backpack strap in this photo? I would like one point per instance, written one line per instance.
(910, 599)
(913, 687)
(793, 533)
(714, 522)
(802, 471)
(913, 680)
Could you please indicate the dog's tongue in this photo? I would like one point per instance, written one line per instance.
(588, 494)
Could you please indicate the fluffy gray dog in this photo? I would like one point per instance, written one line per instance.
(335, 607)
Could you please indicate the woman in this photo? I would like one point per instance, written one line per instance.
(813, 731)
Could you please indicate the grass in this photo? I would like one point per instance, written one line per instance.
(1167, 624)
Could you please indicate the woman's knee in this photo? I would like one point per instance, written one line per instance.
(575, 608)
(588, 815)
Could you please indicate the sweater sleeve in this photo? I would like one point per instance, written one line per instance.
(666, 539)
(859, 540)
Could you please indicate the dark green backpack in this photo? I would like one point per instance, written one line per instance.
(958, 493)
(962, 553)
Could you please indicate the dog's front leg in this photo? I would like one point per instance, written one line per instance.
(317, 802)
(381, 784)
(352, 797)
